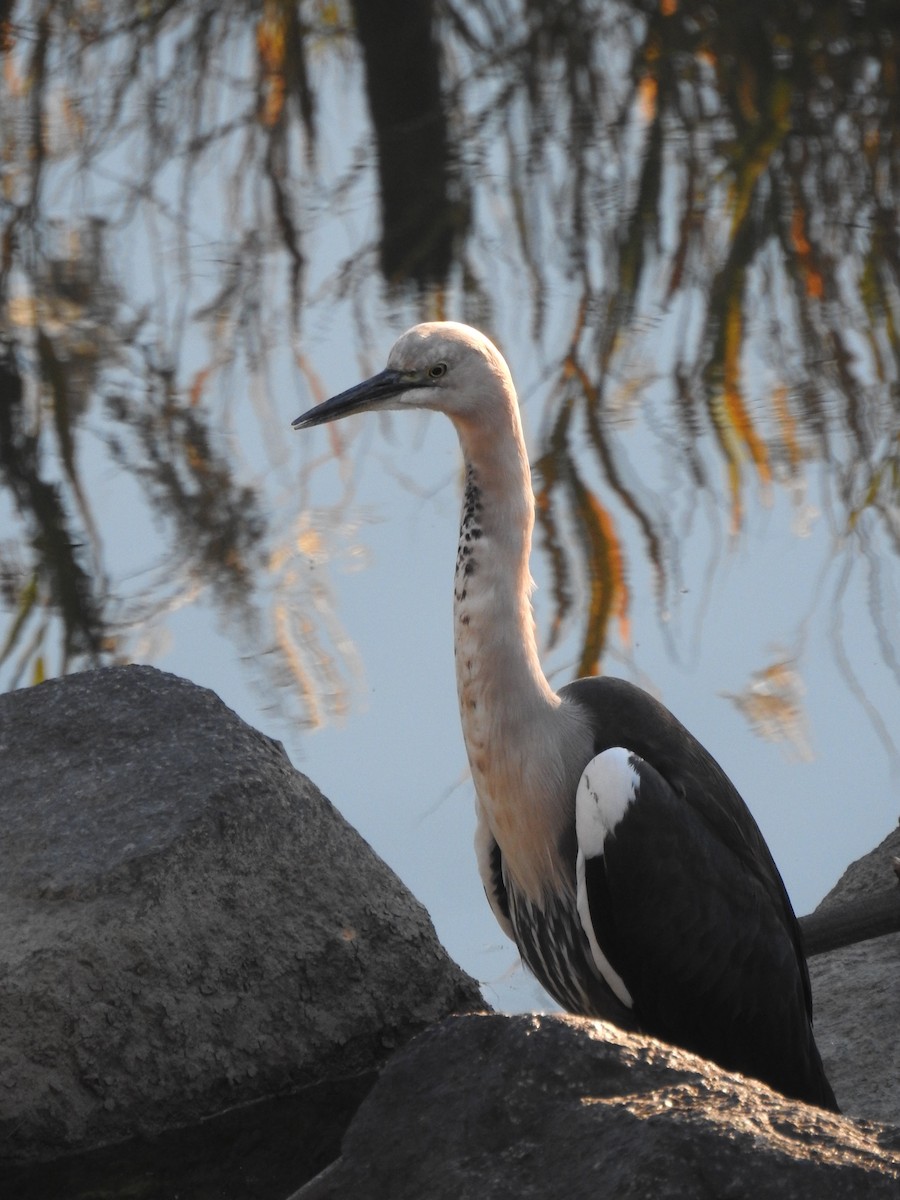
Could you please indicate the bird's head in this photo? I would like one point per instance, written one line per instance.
(442, 366)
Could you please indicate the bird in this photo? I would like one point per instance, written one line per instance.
(614, 850)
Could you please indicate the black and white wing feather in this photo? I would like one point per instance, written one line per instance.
(684, 911)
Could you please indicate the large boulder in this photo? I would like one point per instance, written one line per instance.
(186, 924)
(497, 1108)
(857, 998)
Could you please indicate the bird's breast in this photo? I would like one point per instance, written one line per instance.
(524, 792)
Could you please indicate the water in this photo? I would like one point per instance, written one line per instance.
(682, 236)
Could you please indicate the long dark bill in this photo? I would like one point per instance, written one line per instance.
(363, 396)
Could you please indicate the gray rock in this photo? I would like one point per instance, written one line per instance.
(856, 999)
(504, 1108)
(186, 924)
(868, 876)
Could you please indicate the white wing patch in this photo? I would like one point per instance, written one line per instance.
(608, 785)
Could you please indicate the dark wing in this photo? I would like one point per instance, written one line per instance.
(678, 891)
(624, 715)
(490, 867)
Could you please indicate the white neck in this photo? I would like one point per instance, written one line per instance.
(514, 728)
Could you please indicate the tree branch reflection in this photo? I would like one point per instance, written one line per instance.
(696, 203)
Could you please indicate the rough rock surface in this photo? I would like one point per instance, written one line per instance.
(857, 999)
(502, 1108)
(186, 924)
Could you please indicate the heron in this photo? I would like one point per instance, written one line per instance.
(613, 848)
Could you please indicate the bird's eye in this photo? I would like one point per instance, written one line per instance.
(437, 370)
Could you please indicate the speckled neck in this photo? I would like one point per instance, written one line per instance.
(497, 668)
(514, 729)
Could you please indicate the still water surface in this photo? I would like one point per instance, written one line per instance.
(679, 228)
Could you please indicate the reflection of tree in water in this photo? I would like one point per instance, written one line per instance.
(707, 189)
(738, 187)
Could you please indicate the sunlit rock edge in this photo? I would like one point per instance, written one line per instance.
(547, 1106)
